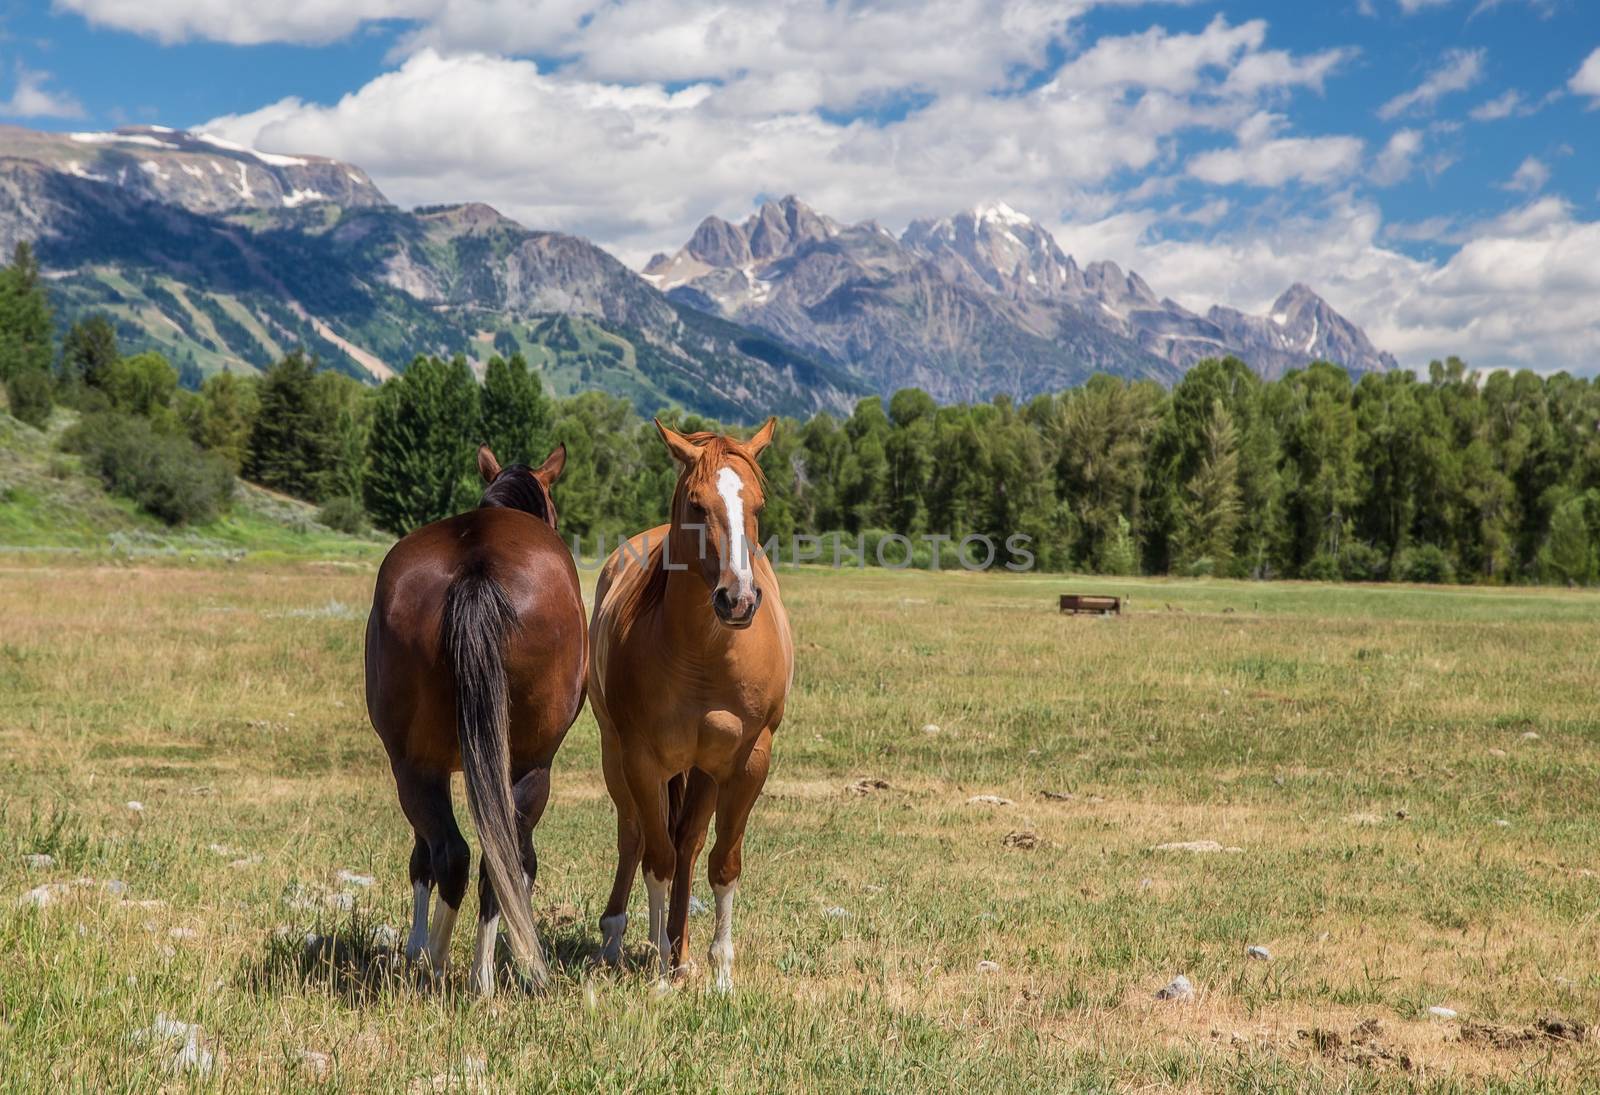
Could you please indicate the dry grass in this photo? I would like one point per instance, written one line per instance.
(1359, 745)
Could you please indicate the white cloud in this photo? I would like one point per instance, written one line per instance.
(1394, 163)
(303, 21)
(802, 53)
(1260, 159)
(31, 99)
(1501, 106)
(1586, 81)
(1458, 70)
(636, 165)
(1530, 177)
(1411, 7)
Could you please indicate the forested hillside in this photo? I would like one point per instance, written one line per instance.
(1450, 477)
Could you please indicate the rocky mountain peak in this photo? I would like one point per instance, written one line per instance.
(1003, 248)
(717, 243)
(779, 228)
(200, 172)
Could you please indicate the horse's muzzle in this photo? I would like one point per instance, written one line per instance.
(735, 612)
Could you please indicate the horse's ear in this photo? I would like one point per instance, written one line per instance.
(488, 466)
(683, 450)
(762, 439)
(554, 464)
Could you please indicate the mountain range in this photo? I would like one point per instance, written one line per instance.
(224, 257)
(980, 302)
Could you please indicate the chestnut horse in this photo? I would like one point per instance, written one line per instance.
(476, 652)
(690, 662)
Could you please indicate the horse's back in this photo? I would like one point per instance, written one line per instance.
(410, 686)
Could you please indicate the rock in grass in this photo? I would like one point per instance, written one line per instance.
(351, 878)
(39, 861)
(1189, 846)
(192, 1053)
(869, 785)
(697, 907)
(316, 1066)
(40, 896)
(1260, 954)
(1025, 839)
(987, 966)
(136, 806)
(988, 800)
(836, 912)
(930, 729)
(1441, 1012)
(1179, 988)
(386, 937)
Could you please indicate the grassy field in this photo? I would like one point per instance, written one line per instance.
(1404, 783)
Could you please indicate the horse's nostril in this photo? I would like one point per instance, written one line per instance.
(721, 601)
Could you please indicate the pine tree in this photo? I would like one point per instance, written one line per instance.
(294, 440)
(89, 352)
(420, 450)
(516, 412)
(26, 328)
(1211, 510)
(1569, 554)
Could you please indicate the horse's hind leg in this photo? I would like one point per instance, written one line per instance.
(425, 798)
(531, 793)
(421, 893)
(726, 863)
(692, 818)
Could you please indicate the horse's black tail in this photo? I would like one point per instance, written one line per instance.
(477, 618)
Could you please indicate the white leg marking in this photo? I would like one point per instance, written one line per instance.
(444, 923)
(729, 485)
(722, 944)
(657, 890)
(419, 921)
(612, 929)
(483, 956)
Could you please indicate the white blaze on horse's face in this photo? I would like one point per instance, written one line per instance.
(735, 597)
(731, 488)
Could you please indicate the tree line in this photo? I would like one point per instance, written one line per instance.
(1455, 476)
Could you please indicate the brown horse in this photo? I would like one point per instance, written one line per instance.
(476, 652)
(690, 663)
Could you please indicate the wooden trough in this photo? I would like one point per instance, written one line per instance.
(1089, 604)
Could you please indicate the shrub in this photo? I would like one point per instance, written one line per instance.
(1425, 563)
(1322, 567)
(343, 514)
(166, 475)
(1359, 562)
(30, 395)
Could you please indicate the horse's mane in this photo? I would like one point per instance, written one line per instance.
(516, 488)
(717, 451)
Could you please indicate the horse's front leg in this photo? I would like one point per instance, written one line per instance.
(734, 801)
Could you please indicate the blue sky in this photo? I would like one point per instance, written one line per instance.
(1428, 165)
